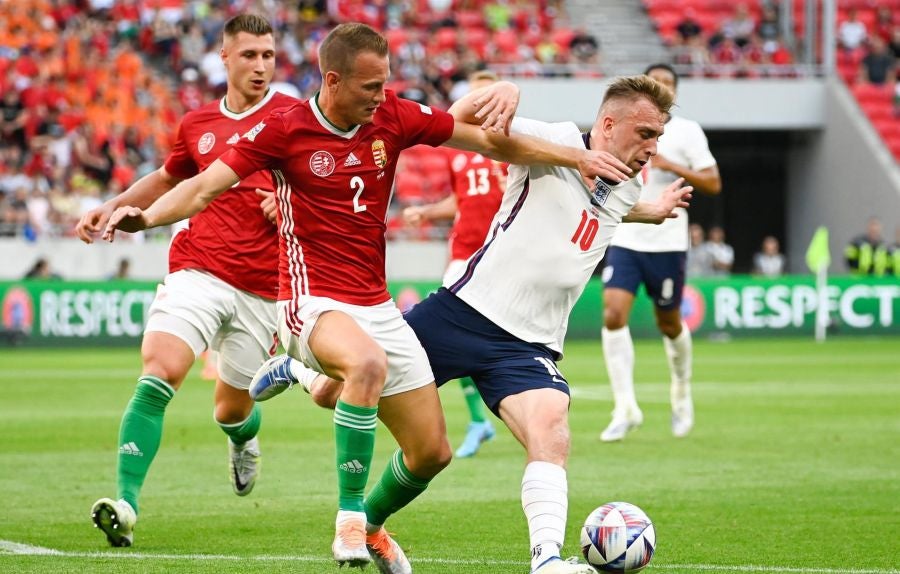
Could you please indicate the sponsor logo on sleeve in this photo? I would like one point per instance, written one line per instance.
(425, 109)
(206, 143)
(254, 131)
(321, 163)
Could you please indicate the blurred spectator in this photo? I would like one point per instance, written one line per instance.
(769, 262)
(584, 47)
(699, 259)
(12, 119)
(740, 26)
(123, 270)
(689, 27)
(41, 270)
(769, 28)
(884, 23)
(895, 42)
(722, 253)
(878, 65)
(852, 32)
(867, 254)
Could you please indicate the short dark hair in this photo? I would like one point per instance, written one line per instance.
(341, 46)
(249, 23)
(662, 66)
(633, 87)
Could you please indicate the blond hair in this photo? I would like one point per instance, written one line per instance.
(631, 88)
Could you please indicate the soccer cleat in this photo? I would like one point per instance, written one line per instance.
(477, 434)
(620, 425)
(556, 565)
(387, 554)
(273, 378)
(116, 519)
(682, 417)
(349, 546)
(244, 464)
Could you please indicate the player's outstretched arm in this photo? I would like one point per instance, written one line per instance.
(663, 207)
(706, 180)
(186, 199)
(528, 150)
(141, 193)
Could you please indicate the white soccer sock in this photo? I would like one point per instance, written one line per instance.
(618, 350)
(680, 354)
(545, 502)
(304, 375)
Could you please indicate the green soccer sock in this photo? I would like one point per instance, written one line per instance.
(473, 400)
(397, 488)
(241, 432)
(140, 434)
(354, 434)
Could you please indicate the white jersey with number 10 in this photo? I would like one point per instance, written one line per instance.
(543, 245)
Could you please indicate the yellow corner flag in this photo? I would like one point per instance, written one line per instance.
(817, 254)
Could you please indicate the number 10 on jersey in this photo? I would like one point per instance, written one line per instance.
(586, 232)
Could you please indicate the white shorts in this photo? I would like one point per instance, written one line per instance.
(208, 313)
(408, 367)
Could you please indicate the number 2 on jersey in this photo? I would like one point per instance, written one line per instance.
(586, 232)
(359, 185)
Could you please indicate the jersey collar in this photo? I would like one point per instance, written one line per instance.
(235, 116)
(317, 111)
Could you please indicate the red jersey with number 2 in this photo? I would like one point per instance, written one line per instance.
(231, 238)
(478, 184)
(333, 188)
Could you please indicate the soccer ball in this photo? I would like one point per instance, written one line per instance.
(618, 537)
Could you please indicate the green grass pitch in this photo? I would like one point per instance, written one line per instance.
(793, 466)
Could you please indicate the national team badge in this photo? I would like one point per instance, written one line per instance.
(322, 163)
(254, 131)
(379, 154)
(206, 143)
(600, 192)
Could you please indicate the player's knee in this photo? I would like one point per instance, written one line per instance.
(614, 318)
(368, 369)
(427, 462)
(325, 392)
(171, 373)
(669, 327)
(231, 412)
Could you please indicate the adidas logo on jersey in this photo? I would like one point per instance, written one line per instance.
(130, 448)
(233, 139)
(352, 160)
(352, 466)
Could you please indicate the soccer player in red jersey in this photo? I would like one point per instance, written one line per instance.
(333, 158)
(477, 188)
(221, 288)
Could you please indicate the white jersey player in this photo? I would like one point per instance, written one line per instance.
(655, 257)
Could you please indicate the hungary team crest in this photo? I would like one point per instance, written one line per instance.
(379, 154)
(321, 163)
(206, 143)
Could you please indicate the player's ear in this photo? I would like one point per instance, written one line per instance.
(332, 79)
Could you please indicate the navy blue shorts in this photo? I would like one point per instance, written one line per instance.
(461, 342)
(661, 273)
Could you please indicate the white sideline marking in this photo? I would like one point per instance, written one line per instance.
(9, 548)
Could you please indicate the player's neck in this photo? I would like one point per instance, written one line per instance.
(236, 103)
(330, 113)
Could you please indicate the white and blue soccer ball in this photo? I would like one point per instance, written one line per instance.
(618, 537)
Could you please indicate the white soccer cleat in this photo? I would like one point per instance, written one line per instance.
(620, 425)
(273, 378)
(116, 519)
(387, 554)
(556, 565)
(349, 546)
(682, 417)
(243, 463)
